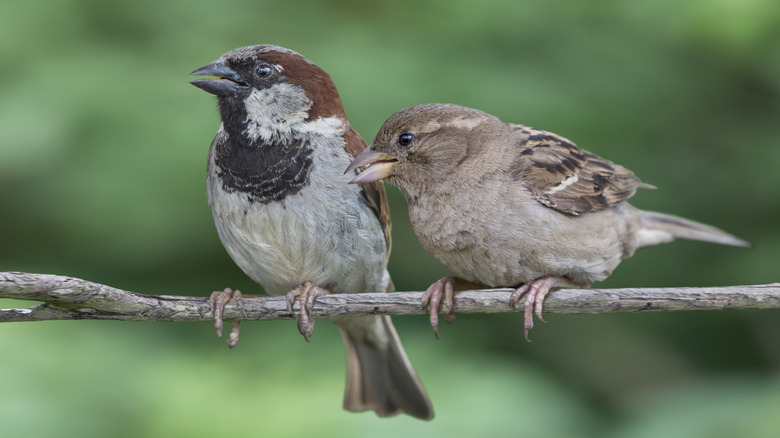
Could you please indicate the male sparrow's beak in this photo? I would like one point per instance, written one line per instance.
(379, 166)
(228, 84)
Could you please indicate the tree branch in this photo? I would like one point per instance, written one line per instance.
(71, 298)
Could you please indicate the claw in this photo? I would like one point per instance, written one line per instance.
(306, 293)
(534, 301)
(217, 302)
(432, 300)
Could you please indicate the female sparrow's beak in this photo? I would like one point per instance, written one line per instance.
(379, 166)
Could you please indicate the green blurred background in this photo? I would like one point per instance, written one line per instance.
(102, 161)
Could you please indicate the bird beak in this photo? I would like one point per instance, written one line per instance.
(379, 166)
(228, 83)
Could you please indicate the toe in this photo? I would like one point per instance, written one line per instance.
(440, 293)
(528, 321)
(233, 337)
(305, 295)
(515, 297)
(217, 302)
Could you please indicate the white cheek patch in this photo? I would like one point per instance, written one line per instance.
(272, 112)
(277, 114)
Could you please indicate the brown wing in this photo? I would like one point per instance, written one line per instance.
(564, 177)
(375, 191)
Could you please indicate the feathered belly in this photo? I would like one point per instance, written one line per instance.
(509, 249)
(305, 237)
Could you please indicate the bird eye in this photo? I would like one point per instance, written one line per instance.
(405, 139)
(264, 71)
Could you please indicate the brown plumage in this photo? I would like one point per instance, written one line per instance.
(564, 177)
(506, 205)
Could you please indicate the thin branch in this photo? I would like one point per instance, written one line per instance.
(71, 298)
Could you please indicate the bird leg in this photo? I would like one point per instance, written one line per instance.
(306, 293)
(534, 300)
(217, 304)
(432, 301)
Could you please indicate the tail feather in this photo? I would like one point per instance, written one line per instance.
(657, 228)
(379, 374)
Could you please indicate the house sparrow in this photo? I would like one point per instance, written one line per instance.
(289, 219)
(506, 205)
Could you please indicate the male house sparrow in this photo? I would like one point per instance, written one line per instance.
(510, 206)
(289, 219)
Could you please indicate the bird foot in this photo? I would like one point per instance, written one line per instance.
(534, 300)
(306, 293)
(432, 301)
(217, 304)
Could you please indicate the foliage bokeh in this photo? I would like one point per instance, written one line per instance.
(102, 159)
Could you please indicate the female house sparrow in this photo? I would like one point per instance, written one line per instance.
(510, 206)
(288, 218)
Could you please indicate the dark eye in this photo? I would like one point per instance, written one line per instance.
(264, 71)
(405, 139)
